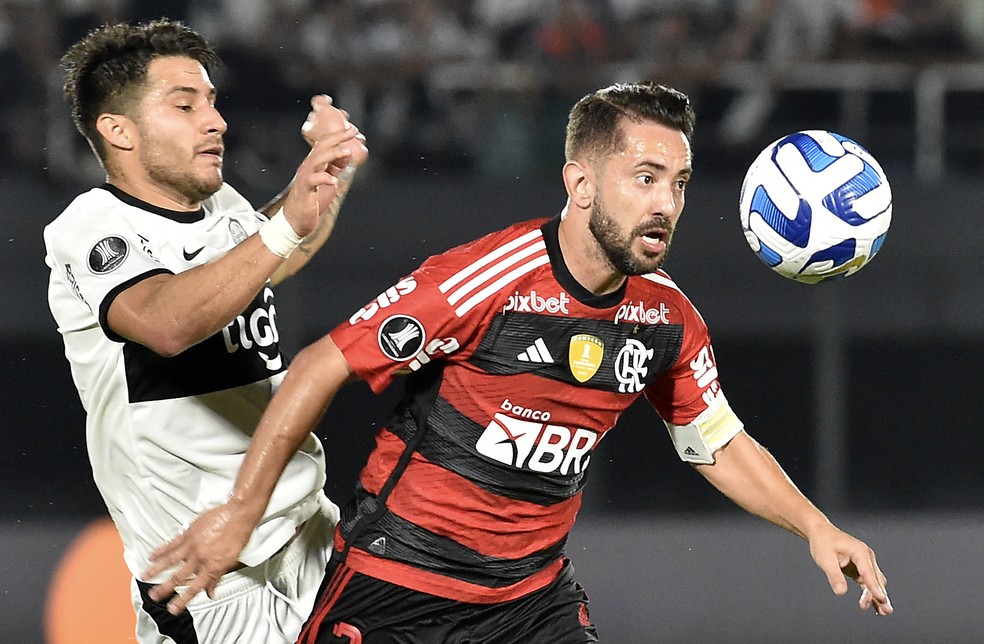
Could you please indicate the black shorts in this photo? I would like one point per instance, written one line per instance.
(365, 610)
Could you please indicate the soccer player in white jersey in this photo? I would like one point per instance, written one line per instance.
(161, 288)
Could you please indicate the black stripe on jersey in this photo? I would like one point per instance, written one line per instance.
(204, 368)
(511, 333)
(114, 293)
(409, 543)
(179, 216)
(450, 442)
(243, 353)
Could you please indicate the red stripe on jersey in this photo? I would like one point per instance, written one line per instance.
(489, 524)
(447, 587)
(309, 634)
(381, 461)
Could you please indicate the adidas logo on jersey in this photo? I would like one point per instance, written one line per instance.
(378, 546)
(536, 352)
(690, 451)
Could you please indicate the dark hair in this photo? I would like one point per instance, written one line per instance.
(106, 70)
(593, 126)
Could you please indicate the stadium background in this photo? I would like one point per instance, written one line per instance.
(868, 390)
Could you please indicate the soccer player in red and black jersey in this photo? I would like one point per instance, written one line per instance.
(520, 350)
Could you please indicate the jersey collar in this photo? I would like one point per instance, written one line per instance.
(182, 217)
(551, 237)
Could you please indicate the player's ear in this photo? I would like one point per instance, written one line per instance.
(580, 183)
(117, 129)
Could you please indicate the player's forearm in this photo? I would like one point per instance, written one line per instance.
(313, 379)
(316, 240)
(171, 313)
(748, 474)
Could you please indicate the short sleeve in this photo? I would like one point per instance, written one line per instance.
(98, 252)
(691, 384)
(404, 328)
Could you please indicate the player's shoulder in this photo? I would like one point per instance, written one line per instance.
(659, 286)
(494, 245)
(481, 270)
(227, 199)
(80, 212)
(659, 282)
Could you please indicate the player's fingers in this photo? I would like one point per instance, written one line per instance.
(333, 139)
(168, 550)
(181, 576)
(831, 567)
(868, 601)
(320, 99)
(869, 574)
(166, 556)
(864, 602)
(872, 581)
(202, 581)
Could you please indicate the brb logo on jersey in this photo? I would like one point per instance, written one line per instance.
(536, 446)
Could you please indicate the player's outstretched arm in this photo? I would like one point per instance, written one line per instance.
(211, 545)
(323, 119)
(748, 474)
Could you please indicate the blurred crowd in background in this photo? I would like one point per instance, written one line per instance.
(461, 84)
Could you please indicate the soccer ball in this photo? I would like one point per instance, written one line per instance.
(815, 206)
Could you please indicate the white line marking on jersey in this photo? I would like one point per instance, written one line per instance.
(505, 249)
(494, 287)
(483, 277)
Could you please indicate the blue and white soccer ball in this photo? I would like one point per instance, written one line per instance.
(815, 206)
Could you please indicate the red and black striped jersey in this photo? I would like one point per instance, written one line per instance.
(516, 372)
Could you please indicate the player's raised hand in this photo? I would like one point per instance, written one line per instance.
(840, 555)
(200, 555)
(325, 118)
(315, 183)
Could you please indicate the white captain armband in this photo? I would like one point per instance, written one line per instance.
(278, 235)
(697, 441)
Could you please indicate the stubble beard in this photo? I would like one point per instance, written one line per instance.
(617, 248)
(181, 181)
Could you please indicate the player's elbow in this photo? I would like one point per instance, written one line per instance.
(168, 342)
(322, 363)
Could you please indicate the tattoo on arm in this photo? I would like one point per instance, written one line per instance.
(313, 242)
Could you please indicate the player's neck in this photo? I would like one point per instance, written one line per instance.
(153, 193)
(585, 260)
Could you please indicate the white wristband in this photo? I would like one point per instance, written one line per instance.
(279, 236)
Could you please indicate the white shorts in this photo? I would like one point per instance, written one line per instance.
(268, 603)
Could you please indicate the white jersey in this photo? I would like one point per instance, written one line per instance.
(166, 436)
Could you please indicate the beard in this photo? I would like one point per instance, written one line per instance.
(617, 247)
(161, 166)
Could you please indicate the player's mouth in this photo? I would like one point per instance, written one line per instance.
(213, 151)
(655, 241)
